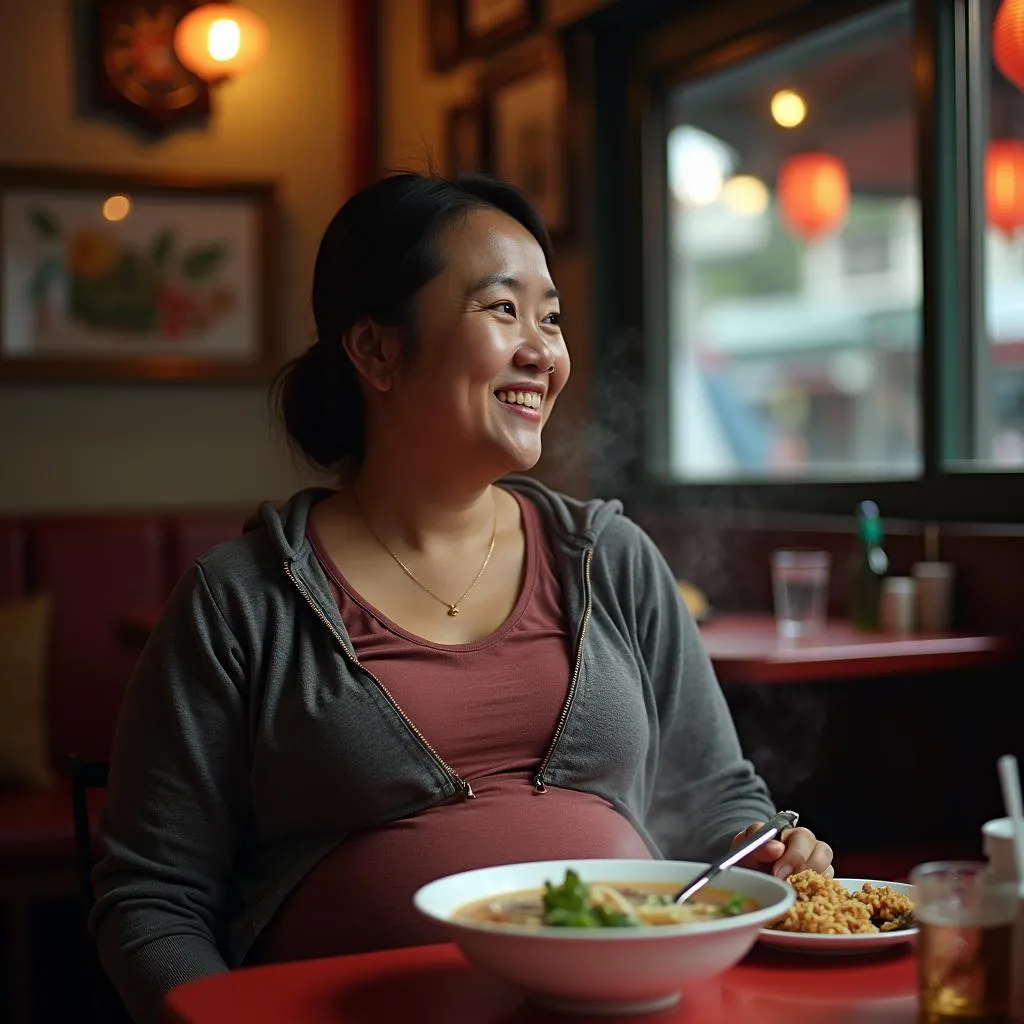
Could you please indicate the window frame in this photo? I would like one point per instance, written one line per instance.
(639, 56)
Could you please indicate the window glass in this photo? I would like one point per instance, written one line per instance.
(999, 360)
(794, 263)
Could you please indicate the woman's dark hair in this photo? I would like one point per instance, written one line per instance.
(378, 251)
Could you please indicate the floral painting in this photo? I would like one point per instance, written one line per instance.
(127, 273)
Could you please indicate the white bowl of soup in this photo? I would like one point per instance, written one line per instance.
(606, 938)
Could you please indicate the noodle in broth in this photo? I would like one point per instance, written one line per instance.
(576, 904)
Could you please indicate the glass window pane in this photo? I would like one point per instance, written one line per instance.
(1000, 363)
(794, 262)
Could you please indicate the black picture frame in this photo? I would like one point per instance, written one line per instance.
(465, 143)
(444, 34)
(489, 24)
(527, 143)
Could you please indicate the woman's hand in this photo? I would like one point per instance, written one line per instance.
(796, 849)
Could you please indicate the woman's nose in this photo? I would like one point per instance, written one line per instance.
(536, 355)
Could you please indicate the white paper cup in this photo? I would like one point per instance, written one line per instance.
(997, 842)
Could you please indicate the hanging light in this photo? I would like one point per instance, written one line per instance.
(1008, 41)
(218, 41)
(788, 108)
(746, 195)
(1004, 185)
(813, 191)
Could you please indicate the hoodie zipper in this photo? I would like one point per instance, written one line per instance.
(460, 783)
(538, 779)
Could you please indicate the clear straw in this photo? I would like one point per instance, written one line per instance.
(1009, 779)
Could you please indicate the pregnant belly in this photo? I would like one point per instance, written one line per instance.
(360, 895)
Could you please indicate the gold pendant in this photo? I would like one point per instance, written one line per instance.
(452, 610)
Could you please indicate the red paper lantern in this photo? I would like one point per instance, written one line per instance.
(813, 191)
(1004, 185)
(1008, 41)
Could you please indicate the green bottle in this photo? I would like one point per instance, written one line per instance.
(870, 564)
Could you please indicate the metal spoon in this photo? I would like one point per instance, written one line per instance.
(772, 828)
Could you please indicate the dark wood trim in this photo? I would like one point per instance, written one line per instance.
(361, 65)
(155, 370)
(692, 48)
(950, 362)
(53, 176)
(620, 260)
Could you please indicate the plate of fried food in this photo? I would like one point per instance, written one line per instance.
(843, 915)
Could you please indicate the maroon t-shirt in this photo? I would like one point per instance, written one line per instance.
(490, 709)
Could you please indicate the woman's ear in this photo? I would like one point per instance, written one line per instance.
(374, 351)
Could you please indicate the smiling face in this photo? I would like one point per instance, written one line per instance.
(490, 359)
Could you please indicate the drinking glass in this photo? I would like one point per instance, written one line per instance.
(965, 947)
(800, 589)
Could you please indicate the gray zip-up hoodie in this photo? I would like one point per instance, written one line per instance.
(251, 741)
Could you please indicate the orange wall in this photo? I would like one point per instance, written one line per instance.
(105, 444)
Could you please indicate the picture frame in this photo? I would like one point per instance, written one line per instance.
(444, 34)
(110, 275)
(488, 24)
(464, 138)
(527, 144)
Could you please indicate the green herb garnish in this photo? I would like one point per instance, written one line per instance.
(733, 906)
(568, 906)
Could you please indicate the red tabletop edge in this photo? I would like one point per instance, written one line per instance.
(435, 985)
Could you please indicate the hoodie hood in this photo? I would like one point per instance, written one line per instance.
(578, 523)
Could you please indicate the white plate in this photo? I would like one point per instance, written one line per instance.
(803, 942)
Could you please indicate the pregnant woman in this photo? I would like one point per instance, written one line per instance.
(434, 665)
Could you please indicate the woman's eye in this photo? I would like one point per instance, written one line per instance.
(505, 307)
(555, 319)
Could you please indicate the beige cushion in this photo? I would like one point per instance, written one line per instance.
(24, 746)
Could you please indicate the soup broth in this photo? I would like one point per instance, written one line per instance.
(603, 904)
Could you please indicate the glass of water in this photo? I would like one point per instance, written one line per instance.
(965, 946)
(800, 590)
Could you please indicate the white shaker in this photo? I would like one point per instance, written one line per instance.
(898, 611)
(934, 595)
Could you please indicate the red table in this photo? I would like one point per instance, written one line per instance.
(435, 985)
(747, 649)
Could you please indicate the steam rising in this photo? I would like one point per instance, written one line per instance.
(590, 445)
(592, 452)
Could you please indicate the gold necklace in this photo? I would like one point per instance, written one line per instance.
(452, 606)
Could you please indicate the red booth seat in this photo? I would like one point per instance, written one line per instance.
(95, 568)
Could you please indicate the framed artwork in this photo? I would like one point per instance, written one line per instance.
(444, 34)
(107, 275)
(489, 23)
(134, 70)
(526, 129)
(464, 139)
